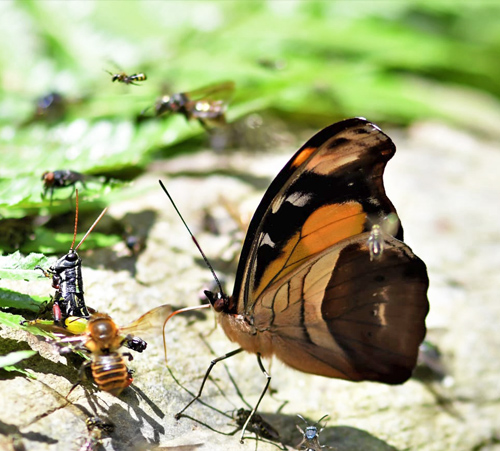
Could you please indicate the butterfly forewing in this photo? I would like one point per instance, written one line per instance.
(323, 195)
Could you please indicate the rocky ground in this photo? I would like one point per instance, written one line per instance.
(445, 188)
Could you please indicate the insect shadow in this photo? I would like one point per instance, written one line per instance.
(37, 363)
(128, 429)
(258, 425)
(339, 438)
(13, 434)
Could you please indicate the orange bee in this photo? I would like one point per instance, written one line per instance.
(101, 338)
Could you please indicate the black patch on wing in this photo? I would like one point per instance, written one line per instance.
(375, 310)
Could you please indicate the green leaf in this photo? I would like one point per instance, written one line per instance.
(26, 373)
(15, 357)
(20, 301)
(14, 322)
(17, 267)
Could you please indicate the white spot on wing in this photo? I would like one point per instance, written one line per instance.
(298, 199)
(276, 205)
(266, 240)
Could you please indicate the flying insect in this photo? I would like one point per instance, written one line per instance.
(122, 77)
(207, 104)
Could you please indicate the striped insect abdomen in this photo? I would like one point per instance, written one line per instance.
(110, 373)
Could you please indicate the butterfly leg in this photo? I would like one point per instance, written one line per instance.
(268, 376)
(212, 364)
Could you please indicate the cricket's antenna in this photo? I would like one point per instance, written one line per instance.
(194, 240)
(91, 228)
(76, 222)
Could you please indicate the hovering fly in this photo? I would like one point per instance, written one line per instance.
(50, 107)
(207, 104)
(122, 77)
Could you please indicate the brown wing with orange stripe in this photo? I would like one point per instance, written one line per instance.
(324, 195)
(340, 314)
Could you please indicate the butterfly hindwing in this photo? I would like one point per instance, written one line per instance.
(343, 315)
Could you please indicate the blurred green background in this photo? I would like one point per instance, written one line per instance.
(307, 63)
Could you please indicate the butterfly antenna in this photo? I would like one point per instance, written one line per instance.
(76, 222)
(194, 239)
(91, 228)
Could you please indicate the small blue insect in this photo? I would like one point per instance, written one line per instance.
(310, 439)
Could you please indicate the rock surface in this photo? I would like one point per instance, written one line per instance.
(446, 190)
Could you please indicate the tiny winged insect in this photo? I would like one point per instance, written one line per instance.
(207, 104)
(102, 340)
(49, 108)
(375, 242)
(122, 77)
(430, 364)
(257, 424)
(97, 431)
(67, 279)
(62, 178)
(308, 287)
(389, 225)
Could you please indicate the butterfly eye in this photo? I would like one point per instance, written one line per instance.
(218, 301)
(220, 305)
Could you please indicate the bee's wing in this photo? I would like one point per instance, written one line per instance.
(149, 323)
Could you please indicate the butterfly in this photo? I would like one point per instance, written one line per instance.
(307, 288)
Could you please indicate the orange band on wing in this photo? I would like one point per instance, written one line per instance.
(303, 156)
(327, 226)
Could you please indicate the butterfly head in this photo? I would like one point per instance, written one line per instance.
(219, 300)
